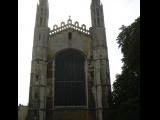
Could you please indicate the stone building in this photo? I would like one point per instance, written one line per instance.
(70, 78)
(22, 112)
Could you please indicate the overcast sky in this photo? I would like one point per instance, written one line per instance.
(116, 13)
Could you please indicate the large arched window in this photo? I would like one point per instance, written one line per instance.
(69, 79)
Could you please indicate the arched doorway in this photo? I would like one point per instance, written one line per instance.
(70, 79)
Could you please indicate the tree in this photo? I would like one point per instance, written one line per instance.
(126, 88)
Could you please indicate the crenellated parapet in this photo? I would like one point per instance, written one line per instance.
(69, 25)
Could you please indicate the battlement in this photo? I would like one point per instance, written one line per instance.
(69, 25)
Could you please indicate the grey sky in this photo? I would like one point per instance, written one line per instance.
(116, 13)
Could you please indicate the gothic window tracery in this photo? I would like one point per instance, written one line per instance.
(69, 79)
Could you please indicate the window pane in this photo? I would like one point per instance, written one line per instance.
(69, 79)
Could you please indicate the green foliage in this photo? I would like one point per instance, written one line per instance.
(125, 95)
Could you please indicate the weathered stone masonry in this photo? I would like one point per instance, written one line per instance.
(57, 90)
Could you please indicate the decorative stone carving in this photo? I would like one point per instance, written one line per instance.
(62, 24)
(76, 24)
(69, 24)
(55, 27)
(83, 26)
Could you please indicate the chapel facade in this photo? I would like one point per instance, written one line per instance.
(70, 76)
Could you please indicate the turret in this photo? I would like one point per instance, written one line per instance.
(97, 14)
(37, 94)
(101, 87)
(42, 14)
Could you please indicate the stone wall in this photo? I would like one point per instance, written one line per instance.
(22, 112)
(61, 41)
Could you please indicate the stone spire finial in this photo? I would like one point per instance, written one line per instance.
(69, 20)
(69, 17)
